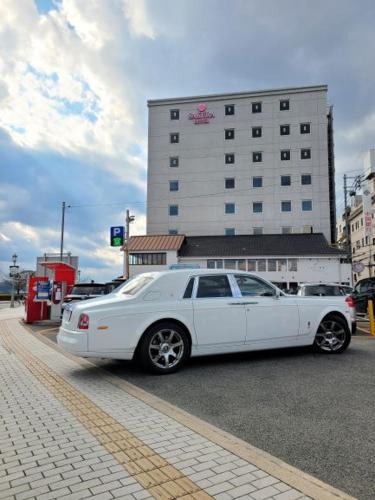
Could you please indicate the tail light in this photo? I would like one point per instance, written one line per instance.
(349, 301)
(83, 322)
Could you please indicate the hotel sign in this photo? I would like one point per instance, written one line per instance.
(203, 116)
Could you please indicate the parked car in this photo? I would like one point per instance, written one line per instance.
(363, 291)
(328, 290)
(84, 291)
(163, 318)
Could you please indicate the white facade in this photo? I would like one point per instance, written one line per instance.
(202, 170)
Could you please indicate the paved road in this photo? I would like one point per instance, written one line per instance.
(315, 412)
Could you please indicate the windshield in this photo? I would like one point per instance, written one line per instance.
(88, 290)
(136, 284)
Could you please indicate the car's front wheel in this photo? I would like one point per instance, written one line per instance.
(164, 348)
(333, 335)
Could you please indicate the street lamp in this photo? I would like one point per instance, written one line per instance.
(13, 271)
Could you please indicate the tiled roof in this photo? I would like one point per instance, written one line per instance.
(156, 242)
(257, 245)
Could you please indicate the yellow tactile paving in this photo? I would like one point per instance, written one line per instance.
(153, 472)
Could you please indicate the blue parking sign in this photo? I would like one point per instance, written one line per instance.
(117, 236)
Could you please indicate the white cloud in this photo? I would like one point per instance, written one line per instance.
(139, 19)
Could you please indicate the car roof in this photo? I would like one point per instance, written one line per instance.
(196, 272)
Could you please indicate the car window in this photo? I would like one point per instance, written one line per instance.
(88, 290)
(323, 291)
(250, 286)
(135, 285)
(214, 286)
(189, 289)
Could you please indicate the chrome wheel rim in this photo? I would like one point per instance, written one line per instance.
(331, 336)
(166, 348)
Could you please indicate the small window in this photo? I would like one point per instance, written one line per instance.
(257, 182)
(306, 205)
(174, 114)
(292, 265)
(251, 265)
(262, 265)
(230, 183)
(230, 231)
(285, 180)
(286, 230)
(230, 263)
(285, 154)
(173, 186)
(173, 210)
(229, 158)
(189, 289)
(229, 133)
(252, 287)
(284, 104)
(286, 206)
(257, 230)
(307, 229)
(215, 263)
(174, 138)
(230, 208)
(272, 265)
(284, 129)
(256, 131)
(257, 207)
(213, 286)
(305, 179)
(173, 161)
(229, 109)
(172, 231)
(257, 156)
(305, 128)
(256, 107)
(241, 264)
(305, 154)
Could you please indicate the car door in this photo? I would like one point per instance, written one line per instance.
(360, 295)
(219, 318)
(269, 316)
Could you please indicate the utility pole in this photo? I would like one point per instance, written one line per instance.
(62, 230)
(128, 220)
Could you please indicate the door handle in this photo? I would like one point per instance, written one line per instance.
(241, 303)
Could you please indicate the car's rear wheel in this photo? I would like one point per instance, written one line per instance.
(164, 348)
(333, 335)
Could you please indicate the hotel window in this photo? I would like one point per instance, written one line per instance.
(256, 107)
(229, 158)
(173, 210)
(285, 154)
(305, 154)
(286, 206)
(306, 179)
(306, 205)
(251, 265)
(257, 207)
(173, 161)
(174, 114)
(229, 109)
(257, 156)
(286, 230)
(257, 230)
(230, 208)
(230, 231)
(172, 231)
(257, 182)
(256, 131)
(285, 180)
(229, 183)
(272, 263)
(262, 265)
(284, 129)
(305, 128)
(174, 138)
(292, 265)
(173, 186)
(229, 133)
(284, 105)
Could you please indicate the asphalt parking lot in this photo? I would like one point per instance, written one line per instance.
(314, 411)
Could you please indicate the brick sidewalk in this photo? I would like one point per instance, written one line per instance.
(68, 431)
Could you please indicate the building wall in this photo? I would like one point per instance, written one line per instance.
(202, 170)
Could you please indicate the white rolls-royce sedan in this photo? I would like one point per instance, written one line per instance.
(162, 318)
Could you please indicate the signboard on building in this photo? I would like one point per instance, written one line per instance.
(203, 116)
(367, 211)
(42, 291)
(117, 236)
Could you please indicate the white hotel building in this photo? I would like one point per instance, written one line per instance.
(242, 163)
(242, 181)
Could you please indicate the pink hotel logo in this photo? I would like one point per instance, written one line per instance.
(203, 116)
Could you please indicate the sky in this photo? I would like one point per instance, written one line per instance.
(75, 76)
